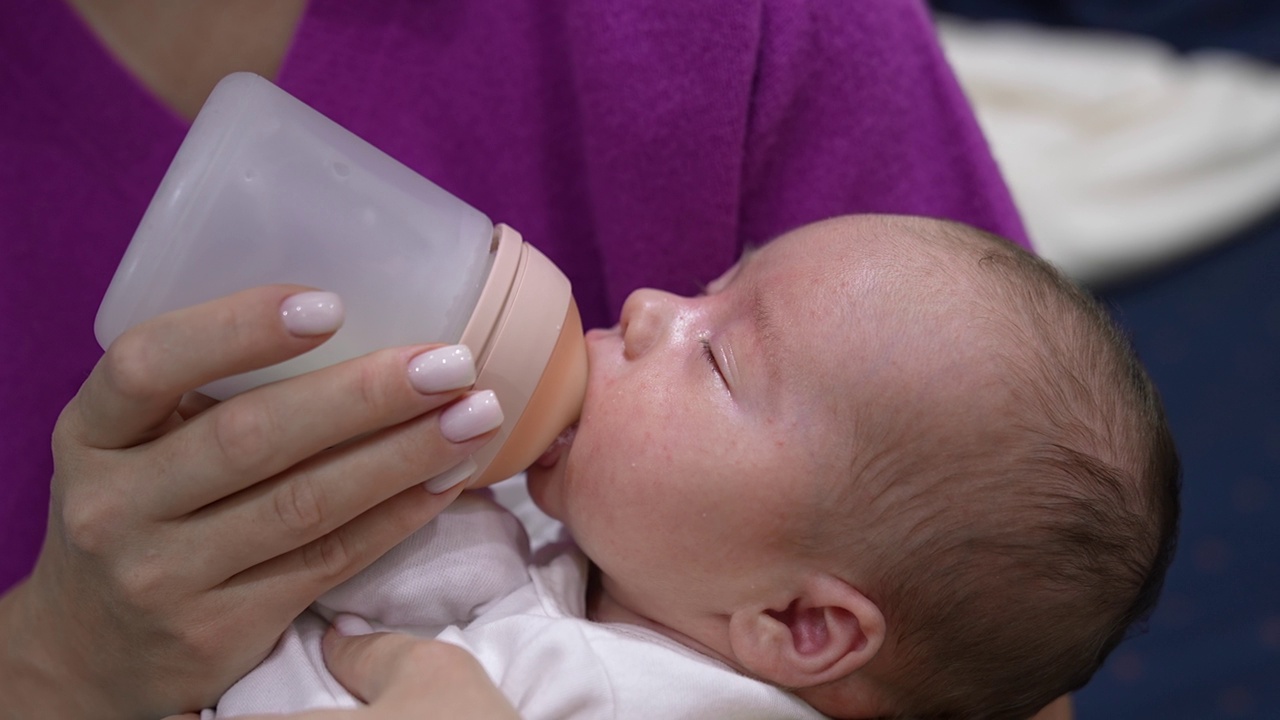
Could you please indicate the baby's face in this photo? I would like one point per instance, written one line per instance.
(714, 425)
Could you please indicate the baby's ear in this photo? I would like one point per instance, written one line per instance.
(827, 631)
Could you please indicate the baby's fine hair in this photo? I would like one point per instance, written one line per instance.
(1006, 602)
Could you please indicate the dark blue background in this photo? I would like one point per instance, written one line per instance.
(1251, 26)
(1209, 331)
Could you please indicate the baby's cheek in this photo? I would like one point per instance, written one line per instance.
(587, 487)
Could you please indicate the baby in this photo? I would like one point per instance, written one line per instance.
(883, 467)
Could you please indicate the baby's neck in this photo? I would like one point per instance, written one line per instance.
(602, 607)
(829, 698)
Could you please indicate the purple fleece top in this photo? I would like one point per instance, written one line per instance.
(636, 142)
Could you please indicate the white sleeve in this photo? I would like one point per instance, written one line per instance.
(446, 573)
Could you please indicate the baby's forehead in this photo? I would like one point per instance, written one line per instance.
(886, 315)
(903, 250)
(864, 269)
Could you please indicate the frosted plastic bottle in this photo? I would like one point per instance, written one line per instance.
(265, 189)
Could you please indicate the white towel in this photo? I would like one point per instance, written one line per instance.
(1121, 153)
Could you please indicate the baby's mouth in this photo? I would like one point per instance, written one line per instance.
(557, 447)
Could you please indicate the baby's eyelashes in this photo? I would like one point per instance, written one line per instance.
(710, 356)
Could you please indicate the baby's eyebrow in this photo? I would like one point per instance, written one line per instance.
(765, 318)
(769, 338)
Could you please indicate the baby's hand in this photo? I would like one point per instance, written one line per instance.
(184, 538)
(401, 676)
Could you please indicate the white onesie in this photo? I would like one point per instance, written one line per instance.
(467, 578)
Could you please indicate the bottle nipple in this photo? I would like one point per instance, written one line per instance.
(526, 335)
(554, 405)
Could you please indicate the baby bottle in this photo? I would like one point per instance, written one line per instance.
(265, 189)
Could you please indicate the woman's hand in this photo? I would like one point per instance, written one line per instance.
(183, 538)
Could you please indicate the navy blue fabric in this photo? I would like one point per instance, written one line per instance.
(1251, 26)
(1209, 331)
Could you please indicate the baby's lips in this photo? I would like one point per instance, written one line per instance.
(553, 452)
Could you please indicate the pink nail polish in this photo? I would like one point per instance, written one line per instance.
(308, 314)
(473, 415)
(446, 368)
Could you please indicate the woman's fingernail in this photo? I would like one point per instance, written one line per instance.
(451, 477)
(446, 368)
(473, 415)
(308, 314)
(348, 624)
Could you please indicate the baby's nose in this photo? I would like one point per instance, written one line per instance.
(645, 314)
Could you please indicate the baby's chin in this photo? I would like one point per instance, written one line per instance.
(545, 475)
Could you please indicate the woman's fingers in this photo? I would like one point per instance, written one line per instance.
(138, 383)
(317, 497)
(268, 430)
(194, 403)
(308, 571)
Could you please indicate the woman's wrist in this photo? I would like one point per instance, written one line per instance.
(39, 678)
(25, 677)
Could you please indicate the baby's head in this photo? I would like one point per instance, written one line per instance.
(896, 465)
